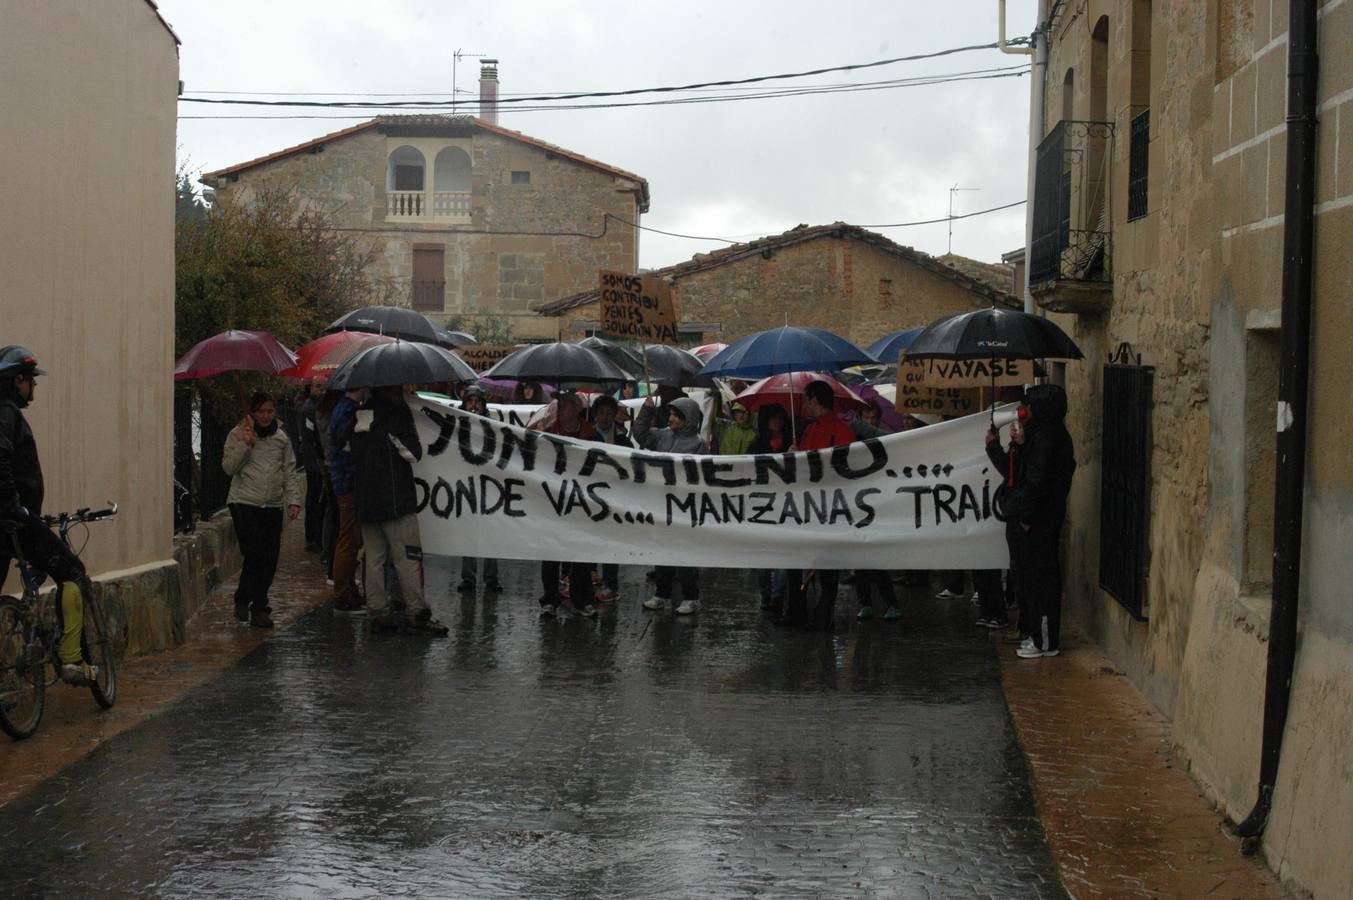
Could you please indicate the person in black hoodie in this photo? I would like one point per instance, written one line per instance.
(1039, 466)
(385, 446)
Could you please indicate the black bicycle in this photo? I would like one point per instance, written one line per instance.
(30, 633)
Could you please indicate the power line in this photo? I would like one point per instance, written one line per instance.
(598, 94)
(861, 87)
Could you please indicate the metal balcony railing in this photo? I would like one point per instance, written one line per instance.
(1072, 207)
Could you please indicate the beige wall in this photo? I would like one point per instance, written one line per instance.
(846, 286)
(87, 98)
(563, 237)
(1196, 290)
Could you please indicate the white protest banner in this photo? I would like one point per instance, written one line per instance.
(921, 499)
(523, 413)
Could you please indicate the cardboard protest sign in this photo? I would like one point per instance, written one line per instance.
(975, 373)
(916, 394)
(637, 308)
(919, 499)
(482, 357)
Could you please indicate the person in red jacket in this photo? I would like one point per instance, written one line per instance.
(825, 430)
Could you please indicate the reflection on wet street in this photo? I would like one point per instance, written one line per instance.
(632, 755)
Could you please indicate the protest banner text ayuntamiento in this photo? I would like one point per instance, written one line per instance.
(921, 499)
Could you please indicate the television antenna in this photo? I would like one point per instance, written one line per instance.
(455, 62)
(954, 190)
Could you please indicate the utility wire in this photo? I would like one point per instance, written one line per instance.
(923, 81)
(599, 94)
(980, 212)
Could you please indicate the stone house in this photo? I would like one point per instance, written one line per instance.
(469, 217)
(1157, 222)
(87, 252)
(840, 277)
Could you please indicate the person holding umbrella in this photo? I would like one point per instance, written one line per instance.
(682, 435)
(343, 476)
(264, 478)
(568, 422)
(1039, 465)
(474, 400)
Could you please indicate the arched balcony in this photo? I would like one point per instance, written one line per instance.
(411, 195)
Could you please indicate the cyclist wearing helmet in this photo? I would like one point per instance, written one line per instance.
(21, 491)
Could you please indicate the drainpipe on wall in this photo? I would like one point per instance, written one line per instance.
(1294, 366)
(1038, 65)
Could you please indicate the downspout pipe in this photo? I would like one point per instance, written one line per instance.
(1294, 368)
(1038, 64)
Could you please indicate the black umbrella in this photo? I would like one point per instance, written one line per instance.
(402, 362)
(622, 356)
(395, 321)
(453, 339)
(993, 334)
(557, 364)
(675, 367)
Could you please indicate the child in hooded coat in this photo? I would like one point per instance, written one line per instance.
(682, 435)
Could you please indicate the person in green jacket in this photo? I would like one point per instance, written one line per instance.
(736, 436)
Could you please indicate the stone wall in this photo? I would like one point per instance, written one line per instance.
(1196, 290)
(847, 286)
(523, 242)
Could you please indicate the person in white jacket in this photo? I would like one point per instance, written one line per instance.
(264, 478)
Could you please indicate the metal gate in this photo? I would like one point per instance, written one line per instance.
(1124, 479)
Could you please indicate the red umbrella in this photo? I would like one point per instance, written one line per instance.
(322, 356)
(234, 351)
(787, 390)
(705, 351)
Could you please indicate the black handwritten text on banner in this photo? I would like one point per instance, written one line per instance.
(637, 308)
(921, 499)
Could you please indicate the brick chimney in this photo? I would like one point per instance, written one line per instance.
(488, 91)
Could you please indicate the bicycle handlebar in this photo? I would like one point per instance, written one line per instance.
(84, 514)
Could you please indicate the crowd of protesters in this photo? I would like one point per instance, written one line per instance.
(353, 471)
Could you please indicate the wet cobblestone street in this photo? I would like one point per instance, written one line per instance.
(633, 755)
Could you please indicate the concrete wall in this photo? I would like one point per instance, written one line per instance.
(1196, 290)
(846, 286)
(561, 237)
(87, 97)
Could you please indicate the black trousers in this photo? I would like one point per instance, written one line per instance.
(687, 576)
(259, 529)
(314, 508)
(796, 598)
(1038, 581)
(579, 583)
(987, 583)
(43, 550)
(869, 580)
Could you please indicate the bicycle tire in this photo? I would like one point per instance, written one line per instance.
(23, 682)
(97, 647)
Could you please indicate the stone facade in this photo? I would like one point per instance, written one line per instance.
(839, 277)
(527, 222)
(1195, 288)
(87, 256)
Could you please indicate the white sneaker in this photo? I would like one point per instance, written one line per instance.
(1034, 653)
(1026, 644)
(687, 607)
(79, 674)
(976, 599)
(947, 594)
(655, 603)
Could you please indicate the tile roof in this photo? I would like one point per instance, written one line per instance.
(439, 121)
(702, 262)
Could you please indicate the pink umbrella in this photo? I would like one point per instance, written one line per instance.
(787, 390)
(705, 351)
(234, 351)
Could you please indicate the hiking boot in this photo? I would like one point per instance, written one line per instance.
(466, 586)
(865, 614)
(260, 619)
(79, 674)
(655, 603)
(423, 623)
(892, 614)
(688, 607)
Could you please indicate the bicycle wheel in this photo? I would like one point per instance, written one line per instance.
(97, 647)
(23, 682)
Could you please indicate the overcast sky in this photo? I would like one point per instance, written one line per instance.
(735, 170)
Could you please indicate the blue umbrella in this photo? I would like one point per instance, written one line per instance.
(787, 349)
(889, 347)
